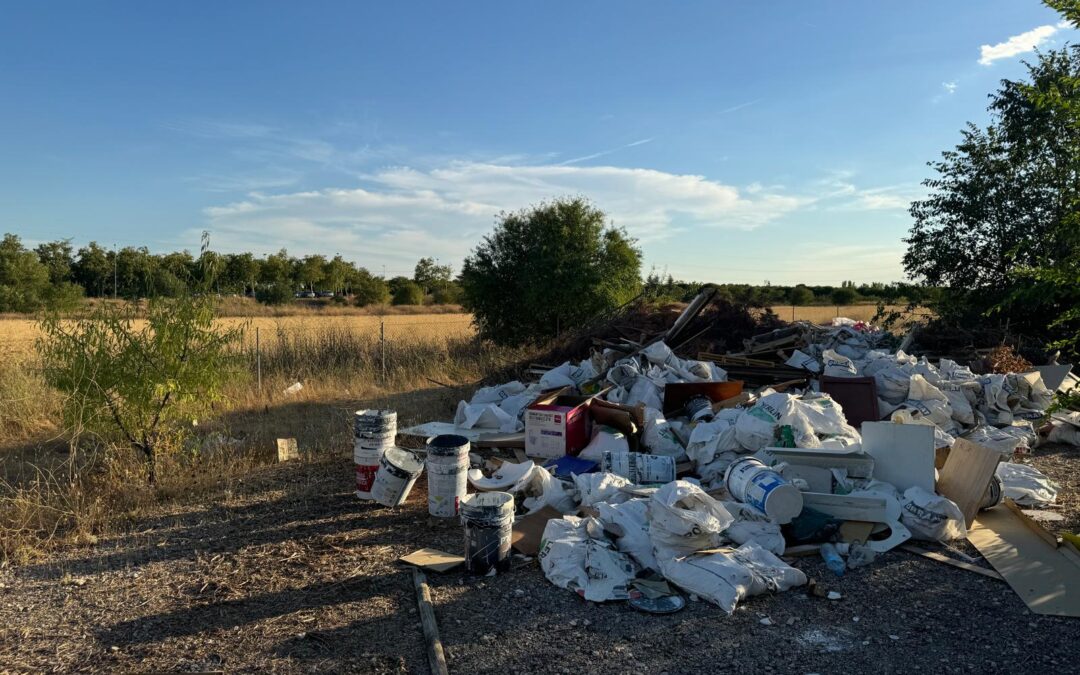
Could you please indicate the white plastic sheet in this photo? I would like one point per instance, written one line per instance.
(594, 488)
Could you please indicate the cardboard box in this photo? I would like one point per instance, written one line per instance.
(557, 424)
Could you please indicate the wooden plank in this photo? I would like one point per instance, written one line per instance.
(1038, 529)
(1045, 580)
(966, 474)
(934, 555)
(436, 656)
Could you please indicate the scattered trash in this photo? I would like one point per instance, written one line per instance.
(287, 450)
(433, 559)
(398, 470)
(293, 388)
(811, 440)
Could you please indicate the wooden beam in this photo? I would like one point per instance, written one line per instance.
(934, 555)
(436, 657)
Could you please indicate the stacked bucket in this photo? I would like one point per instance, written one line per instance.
(374, 432)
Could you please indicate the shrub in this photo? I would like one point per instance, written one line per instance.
(409, 293)
(274, 294)
(371, 290)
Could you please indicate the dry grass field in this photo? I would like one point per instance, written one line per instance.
(17, 335)
(826, 313)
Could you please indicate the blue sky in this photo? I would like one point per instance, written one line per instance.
(779, 141)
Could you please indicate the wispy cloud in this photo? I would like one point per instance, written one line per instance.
(1019, 44)
(403, 212)
(739, 107)
(603, 153)
(838, 191)
(949, 87)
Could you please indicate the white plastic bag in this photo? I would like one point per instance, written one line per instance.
(710, 438)
(805, 361)
(575, 555)
(496, 394)
(726, 578)
(605, 439)
(931, 516)
(1026, 485)
(629, 523)
(683, 519)
(753, 525)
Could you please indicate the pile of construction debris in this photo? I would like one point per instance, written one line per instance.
(643, 471)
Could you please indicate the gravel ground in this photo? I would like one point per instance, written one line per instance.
(291, 574)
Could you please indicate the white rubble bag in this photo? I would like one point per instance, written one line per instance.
(486, 416)
(605, 439)
(803, 360)
(835, 365)
(1006, 439)
(931, 403)
(994, 399)
(544, 489)
(577, 556)
(825, 415)
(497, 394)
(1026, 485)
(683, 519)
(708, 439)
(753, 525)
(568, 375)
(756, 428)
(659, 437)
(598, 487)
(629, 524)
(726, 578)
(1065, 428)
(932, 517)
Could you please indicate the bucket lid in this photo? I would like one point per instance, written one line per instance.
(665, 604)
(784, 503)
(489, 504)
(374, 413)
(403, 459)
(443, 443)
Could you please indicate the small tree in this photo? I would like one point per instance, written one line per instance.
(547, 269)
(277, 293)
(369, 290)
(801, 295)
(429, 274)
(844, 295)
(409, 293)
(134, 382)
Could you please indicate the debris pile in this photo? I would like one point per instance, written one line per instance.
(643, 470)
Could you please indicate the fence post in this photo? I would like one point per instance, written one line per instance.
(382, 346)
(838, 311)
(793, 314)
(258, 359)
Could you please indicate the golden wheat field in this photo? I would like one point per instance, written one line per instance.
(825, 314)
(18, 335)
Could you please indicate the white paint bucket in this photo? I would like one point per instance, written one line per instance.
(366, 463)
(447, 471)
(397, 472)
(375, 429)
(639, 468)
(751, 482)
(488, 518)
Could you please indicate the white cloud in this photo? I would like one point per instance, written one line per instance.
(949, 87)
(402, 213)
(1018, 44)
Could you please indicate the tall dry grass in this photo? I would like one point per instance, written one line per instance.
(56, 490)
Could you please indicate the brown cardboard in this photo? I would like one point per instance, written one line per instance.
(529, 530)
(433, 559)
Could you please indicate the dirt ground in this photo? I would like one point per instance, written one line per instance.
(290, 573)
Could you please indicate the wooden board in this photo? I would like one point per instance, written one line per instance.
(966, 474)
(1045, 580)
(433, 559)
(287, 449)
(939, 557)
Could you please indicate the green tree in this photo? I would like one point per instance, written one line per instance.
(1003, 204)
(370, 290)
(336, 274)
(845, 295)
(58, 256)
(800, 295)
(93, 270)
(243, 270)
(139, 383)
(277, 269)
(24, 280)
(546, 269)
(429, 274)
(447, 293)
(310, 271)
(409, 293)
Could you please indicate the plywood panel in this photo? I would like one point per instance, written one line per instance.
(966, 474)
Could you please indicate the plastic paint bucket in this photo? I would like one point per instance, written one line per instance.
(447, 471)
(487, 518)
(640, 468)
(375, 428)
(993, 495)
(366, 462)
(753, 483)
(398, 470)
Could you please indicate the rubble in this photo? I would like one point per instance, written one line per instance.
(925, 446)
